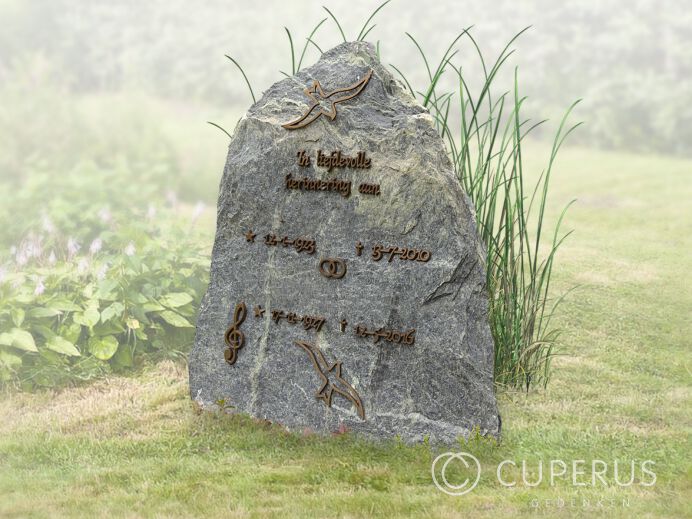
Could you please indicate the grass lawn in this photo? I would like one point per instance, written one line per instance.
(136, 446)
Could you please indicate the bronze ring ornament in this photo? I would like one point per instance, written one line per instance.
(334, 268)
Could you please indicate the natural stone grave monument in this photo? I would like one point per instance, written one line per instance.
(347, 279)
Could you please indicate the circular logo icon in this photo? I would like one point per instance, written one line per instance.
(470, 467)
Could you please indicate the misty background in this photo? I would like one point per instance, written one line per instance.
(103, 80)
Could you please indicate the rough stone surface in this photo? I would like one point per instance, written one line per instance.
(441, 387)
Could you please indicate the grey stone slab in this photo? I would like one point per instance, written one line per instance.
(439, 387)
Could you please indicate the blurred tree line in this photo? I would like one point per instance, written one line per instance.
(630, 61)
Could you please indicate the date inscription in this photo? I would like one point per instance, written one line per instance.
(404, 253)
(306, 245)
(393, 336)
(309, 322)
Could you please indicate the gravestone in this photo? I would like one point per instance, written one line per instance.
(347, 279)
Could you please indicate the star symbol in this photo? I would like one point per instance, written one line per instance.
(250, 236)
(325, 104)
(259, 311)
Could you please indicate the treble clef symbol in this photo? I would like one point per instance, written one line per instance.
(234, 337)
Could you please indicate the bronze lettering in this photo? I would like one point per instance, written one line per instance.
(404, 253)
(303, 159)
(309, 246)
(309, 322)
(343, 187)
(393, 336)
(369, 189)
(337, 160)
(312, 322)
(235, 339)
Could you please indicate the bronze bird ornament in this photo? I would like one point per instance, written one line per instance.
(332, 380)
(325, 104)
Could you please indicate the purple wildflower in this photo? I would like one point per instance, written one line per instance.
(83, 266)
(95, 246)
(197, 211)
(101, 273)
(72, 247)
(105, 215)
(40, 287)
(47, 225)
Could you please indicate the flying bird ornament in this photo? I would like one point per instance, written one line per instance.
(322, 103)
(331, 379)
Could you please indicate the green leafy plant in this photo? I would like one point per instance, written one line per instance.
(483, 134)
(91, 287)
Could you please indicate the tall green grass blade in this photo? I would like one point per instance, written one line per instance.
(316, 46)
(422, 54)
(338, 25)
(307, 41)
(220, 128)
(401, 74)
(367, 32)
(362, 34)
(438, 74)
(247, 81)
(293, 54)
